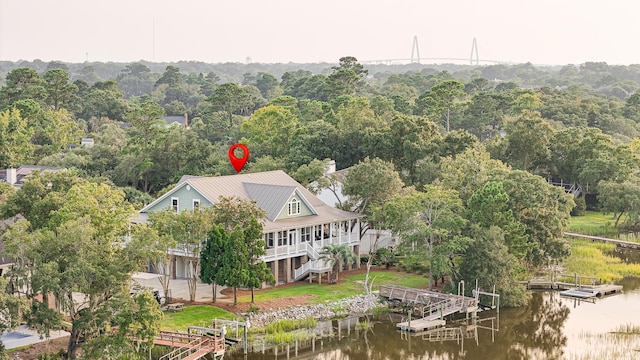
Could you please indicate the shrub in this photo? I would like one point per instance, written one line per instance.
(580, 208)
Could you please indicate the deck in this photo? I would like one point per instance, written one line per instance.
(190, 346)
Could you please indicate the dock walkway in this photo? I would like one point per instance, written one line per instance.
(190, 346)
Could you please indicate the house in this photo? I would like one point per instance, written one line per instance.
(177, 120)
(17, 176)
(297, 225)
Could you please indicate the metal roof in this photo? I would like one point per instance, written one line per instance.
(268, 189)
(271, 198)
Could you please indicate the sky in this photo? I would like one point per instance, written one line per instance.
(543, 32)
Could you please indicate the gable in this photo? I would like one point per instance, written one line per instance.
(270, 198)
(296, 206)
(184, 194)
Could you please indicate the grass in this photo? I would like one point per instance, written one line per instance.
(594, 223)
(590, 259)
(197, 315)
(350, 286)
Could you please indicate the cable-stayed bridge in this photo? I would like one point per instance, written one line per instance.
(415, 58)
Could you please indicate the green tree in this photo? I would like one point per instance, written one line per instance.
(430, 224)
(370, 183)
(60, 92)
(136, 323)
(163, 223)
(270, 131)
(621, 198)
(212, 258)
(15, 135)
(171, 77)
(258, 271)
(103, 99)
(22, 84)
(442, 99)
(147, 128)
(528, 139)
(488, 261)
(229, 98)
(337, 256)
(489, 206)
(75, 244)
(347, 78)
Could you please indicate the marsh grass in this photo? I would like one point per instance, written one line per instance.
(594, 223)
(288, 337)
(623, 343)
(590, 259)
(285, 325)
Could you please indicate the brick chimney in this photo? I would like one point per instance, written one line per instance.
(186, 120)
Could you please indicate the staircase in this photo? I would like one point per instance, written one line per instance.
(312, 253)
(315, 266)
(570, 188)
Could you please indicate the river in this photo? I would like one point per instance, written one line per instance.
(549, 327)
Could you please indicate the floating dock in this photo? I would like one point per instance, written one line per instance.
(576, 286)
(585, 292)
(420, 325)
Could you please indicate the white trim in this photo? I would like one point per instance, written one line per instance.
(175, 208)
(194, 202)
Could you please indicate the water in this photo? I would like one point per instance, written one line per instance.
(550, 327)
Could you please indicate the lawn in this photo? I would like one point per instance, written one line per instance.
(196, 315)
(594, 223)
(350, 286)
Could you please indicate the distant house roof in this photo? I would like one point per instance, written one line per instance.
(270, 190)
(23, 171)
(177, 120)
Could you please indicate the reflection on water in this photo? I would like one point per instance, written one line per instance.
(550, 327)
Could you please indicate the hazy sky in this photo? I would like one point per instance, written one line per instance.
(272, 31)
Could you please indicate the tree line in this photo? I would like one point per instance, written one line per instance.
(456, 165)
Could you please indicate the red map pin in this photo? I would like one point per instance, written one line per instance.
(238, 163)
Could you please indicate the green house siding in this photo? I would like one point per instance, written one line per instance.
(304, 209)
(185, 200)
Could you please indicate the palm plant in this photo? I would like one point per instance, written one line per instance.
(337, 255)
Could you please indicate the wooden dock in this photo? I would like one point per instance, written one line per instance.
(585, 292)
(432, 306)
(619, 243)
(190, 346)
(420, 325)
(573, 285)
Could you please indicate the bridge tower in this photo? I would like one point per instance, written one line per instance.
(415, 51)
(474, 51)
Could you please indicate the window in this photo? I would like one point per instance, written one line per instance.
(294, 207)
(268, 240)
(305, 234)
(282, 238)
(174, 204)
(196, 204)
